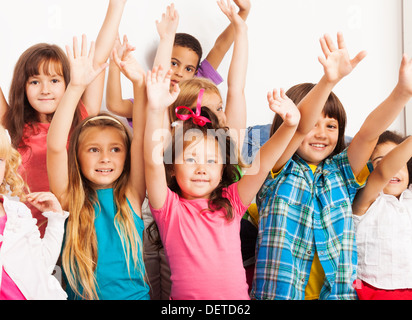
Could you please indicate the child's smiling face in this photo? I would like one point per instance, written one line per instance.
(102, 154)
(184, 63)
(320, 142)
(198, 170)
(44, 91)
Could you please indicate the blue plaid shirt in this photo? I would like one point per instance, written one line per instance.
(302, 212)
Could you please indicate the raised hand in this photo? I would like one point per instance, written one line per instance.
(230, 11)
(337, 63)
(244, 5)
(284, 107)
(44, 201)
(405, 75)
(158, 89)
(82, 72)
(169, 22)
(127, 64)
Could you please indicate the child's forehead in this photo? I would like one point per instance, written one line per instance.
(202, 145)
(327, 117)
(49, 67)
(101, 134)
(185, 54)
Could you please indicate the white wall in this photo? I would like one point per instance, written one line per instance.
(407, 47)
(283, 42)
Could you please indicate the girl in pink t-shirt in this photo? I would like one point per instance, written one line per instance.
(195, 202)
(40, 78)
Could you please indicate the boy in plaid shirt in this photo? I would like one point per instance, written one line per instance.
(306, 241)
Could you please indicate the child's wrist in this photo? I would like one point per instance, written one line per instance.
(76, 87)
(401, 92)
(330, 83)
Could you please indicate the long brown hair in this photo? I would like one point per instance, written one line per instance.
(333, 109)
(80, 249)
(20, 112)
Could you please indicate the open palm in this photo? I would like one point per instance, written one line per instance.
(82, 71)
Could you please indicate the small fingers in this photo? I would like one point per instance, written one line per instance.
(329, 42)
(75, 48)
(341, 41)
(324, 46)
(84, 46)
(358, 58)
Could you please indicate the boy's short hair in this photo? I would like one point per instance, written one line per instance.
(188, 41)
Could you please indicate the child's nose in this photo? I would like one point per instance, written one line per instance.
(200, 169)
(45, 88)
(320, 132)
(179, 71)
(104, 157)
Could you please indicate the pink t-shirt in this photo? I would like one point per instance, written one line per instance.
(203, 248)
(33, 168)
(8, 289)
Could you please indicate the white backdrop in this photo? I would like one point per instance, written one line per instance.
(283, 42)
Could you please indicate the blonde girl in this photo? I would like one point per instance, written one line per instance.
(26, 261)
(101, 180)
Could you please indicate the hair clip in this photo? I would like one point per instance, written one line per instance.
(196, 117)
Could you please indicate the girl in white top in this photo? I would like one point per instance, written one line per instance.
(26, 260)
(383, 222)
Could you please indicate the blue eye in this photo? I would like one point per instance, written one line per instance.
(190, 160)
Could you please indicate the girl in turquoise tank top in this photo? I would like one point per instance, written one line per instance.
(100, 181)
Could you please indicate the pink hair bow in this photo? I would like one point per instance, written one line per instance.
(197, 118)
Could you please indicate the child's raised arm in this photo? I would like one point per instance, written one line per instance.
(3, 105)
(135, 73)
(271, 151)
(236, 102)
(166, 28)
(362, 145)
(114, 100)
(82, 74)
(159, 98)
(387, 168)
(336, 64)
(93, 95)
(227, 37)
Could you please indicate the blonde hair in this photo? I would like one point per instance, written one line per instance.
(12, 181)
(189, 91)
(80, 250)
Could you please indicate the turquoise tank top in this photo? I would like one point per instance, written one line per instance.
(112, 275)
